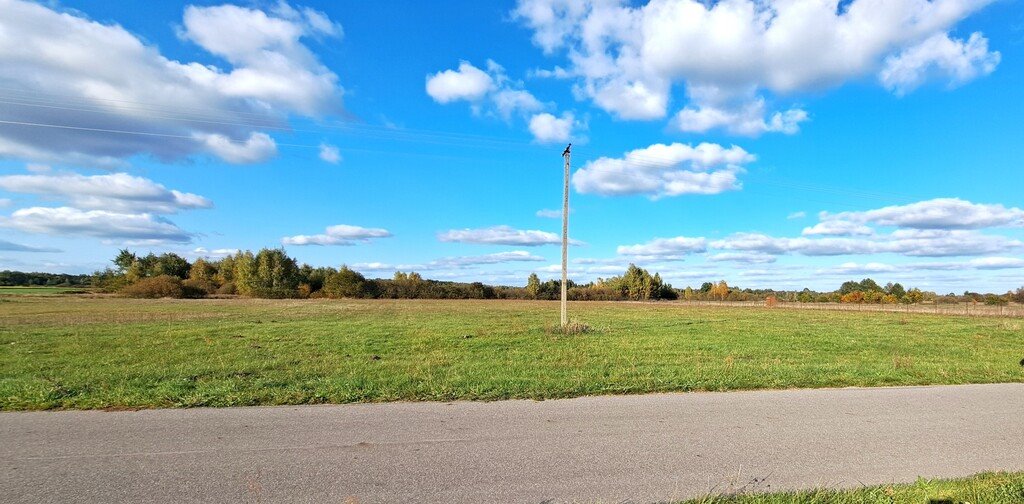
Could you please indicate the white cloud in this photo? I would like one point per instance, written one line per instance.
(547, 128)
(493, 93)
(940, 213)
(467, 83)
(908, 242)
(99, 76)
(5, 202)
(746, 119)
(330, 154)
(502, 235)
(510, 101)
(665, 170)
(997, 262)
(796, 215)
(550, 214)
(215, 253)
(837, 228)
(66, 221)
(958, 60)
(627, 57)
(37, 168)
(258, 148)
(341, 234)
(119, 192)
(664, 249)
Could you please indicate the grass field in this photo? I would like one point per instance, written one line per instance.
(988, 488)
(39, 291)
(81, 352)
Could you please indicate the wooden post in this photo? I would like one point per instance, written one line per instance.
(565, 240)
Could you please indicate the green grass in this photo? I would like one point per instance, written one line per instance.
(79, 352)
(987, 488)
(39, 291)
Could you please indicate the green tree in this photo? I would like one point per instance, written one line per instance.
(347, 283)
(124, 260)
(533, 285)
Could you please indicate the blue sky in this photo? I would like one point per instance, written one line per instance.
(778, 144)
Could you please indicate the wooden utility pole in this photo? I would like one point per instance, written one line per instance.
(565, 239)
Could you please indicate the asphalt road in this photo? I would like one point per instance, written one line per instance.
(604, 449)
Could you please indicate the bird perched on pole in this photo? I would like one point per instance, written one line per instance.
(566, 151)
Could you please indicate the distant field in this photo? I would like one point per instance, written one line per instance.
(80, 352)
(39, 291)
(988, 488)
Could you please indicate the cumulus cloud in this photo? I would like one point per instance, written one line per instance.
(257, 148)
(215, 253)
(133, 100)
(908, 242)
(837, 228)
(627, 57)
(665, 249)
(547, 128)
(745, 119)
(113, 226)
(665, 170)
(959, 61)
(493, 93)
(502, 235)
(341, 234)
(466, 83)
(330, 154)
(939, 213)
(118, 192)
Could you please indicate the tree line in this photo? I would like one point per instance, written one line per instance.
(34, 279)
(272, 273)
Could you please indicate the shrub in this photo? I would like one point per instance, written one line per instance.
(227, 289)
(162, 286)
(198, 287)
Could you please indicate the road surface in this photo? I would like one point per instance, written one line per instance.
(604, 449)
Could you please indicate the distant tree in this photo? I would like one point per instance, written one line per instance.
(848, 287)
(720, 290)
(202, 270)
(347, 283)
(533, 285)
(1018, 295)
(869, 285)
(268, 274)
(124, 260)
(896, 290)
(706, 287)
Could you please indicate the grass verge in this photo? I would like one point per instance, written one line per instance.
(986, 488)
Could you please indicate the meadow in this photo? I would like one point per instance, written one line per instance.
(83, 352)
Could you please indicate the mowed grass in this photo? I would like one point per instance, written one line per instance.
(39, 291)
(77, 352)
(987, 488)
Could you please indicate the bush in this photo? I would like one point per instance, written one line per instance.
(227, 289)
(162, 286)
(198, 287)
